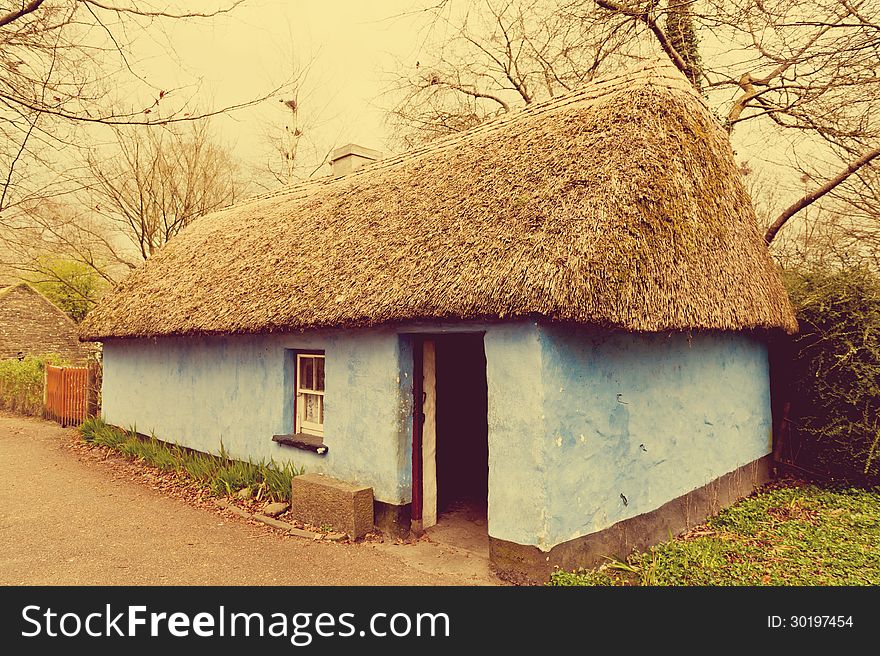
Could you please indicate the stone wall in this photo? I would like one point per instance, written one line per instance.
(30, 324)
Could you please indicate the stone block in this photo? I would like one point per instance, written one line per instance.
(324, 501)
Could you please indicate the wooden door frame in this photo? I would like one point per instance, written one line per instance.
(418, 417)
(424, 472)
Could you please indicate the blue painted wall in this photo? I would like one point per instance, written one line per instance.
(649, 417)
(577, 418)
(199, 391)
(517, 488)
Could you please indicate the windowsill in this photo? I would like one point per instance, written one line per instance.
(303, 441)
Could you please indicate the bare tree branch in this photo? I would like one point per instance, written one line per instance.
(130, 118)
(157, 182)
(645, 16)
(67, 68)
(13, 16)
(162, 14)
(810, 198)
(484, 60)
(810, 66)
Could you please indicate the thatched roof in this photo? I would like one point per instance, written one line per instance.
(619, 204)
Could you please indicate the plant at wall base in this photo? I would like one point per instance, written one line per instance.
(614, 572)
(21, 383)
(222, 475)
(277, 479)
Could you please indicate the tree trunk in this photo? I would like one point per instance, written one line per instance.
(682, 36)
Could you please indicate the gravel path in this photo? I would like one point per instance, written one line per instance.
(68, 517)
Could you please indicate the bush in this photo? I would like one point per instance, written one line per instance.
(71, 285)
(835, 372)
(21, 383)
(220, 474)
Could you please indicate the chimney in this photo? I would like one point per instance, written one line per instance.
(350, 157)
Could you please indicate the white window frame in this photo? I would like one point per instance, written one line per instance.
(303, 426)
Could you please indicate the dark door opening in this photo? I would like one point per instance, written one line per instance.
(462, 425)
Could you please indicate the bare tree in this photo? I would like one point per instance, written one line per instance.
(285, 142)
(845, 229)
(70, 69)
(808, 66)
(857, 211)
(489, 58)
(62, 65)
(158, 181)
(133, 196)
(59, 229)
(810, 69)
(292, 152)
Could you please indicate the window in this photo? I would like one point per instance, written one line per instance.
(309, 402)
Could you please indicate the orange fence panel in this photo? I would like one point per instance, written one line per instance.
(67, 394)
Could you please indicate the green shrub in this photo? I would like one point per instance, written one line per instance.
(21, 383)
(835, 372)
(221, 474)
(71, 285)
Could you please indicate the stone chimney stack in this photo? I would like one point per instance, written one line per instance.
(351, 157)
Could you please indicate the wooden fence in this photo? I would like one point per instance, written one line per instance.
(68, 397)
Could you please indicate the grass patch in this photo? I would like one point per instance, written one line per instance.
(796, 535)
(221, 474)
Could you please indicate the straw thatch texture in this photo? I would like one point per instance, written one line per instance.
(619, 205)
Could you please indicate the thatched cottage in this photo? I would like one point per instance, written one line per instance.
(561, 314)
(31, 324)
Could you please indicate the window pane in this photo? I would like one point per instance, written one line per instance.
(313, 406)
(319, 374)
(306, 372)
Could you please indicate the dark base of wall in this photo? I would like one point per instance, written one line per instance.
(392, 519)
(529, 565)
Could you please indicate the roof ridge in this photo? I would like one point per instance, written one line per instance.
(8, 288)
(646, 72)
(5, 291)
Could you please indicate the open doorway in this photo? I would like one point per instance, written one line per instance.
(462, 424)
(450, 446)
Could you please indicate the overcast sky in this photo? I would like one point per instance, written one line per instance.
(346, 45)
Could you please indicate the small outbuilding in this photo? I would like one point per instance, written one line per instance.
(31, 324)
(557, 321)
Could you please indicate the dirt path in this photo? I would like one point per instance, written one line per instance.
(69, 518)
